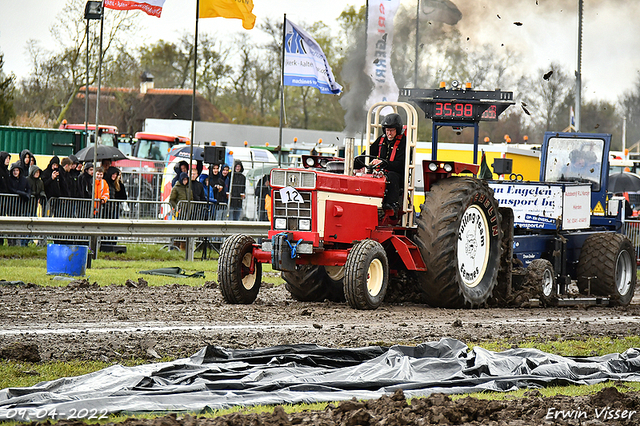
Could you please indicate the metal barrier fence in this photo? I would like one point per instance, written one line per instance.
(143, 185)
(14, 205)
(632, 231)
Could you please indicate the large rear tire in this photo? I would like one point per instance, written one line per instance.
(238, 284)
(311, 283)
(609, 260)
(366, 275)
(459, 236)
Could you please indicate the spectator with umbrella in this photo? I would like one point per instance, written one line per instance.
(624, 182)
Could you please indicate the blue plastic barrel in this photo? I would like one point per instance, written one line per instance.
(67, 259)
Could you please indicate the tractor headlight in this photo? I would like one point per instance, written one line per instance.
(304, 225)
(448, 168)
(433, 167)
(310, 161)
(280, 223)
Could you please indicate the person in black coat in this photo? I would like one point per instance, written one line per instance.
(26, 160)
(237, 191)
(35, 182)
(68, 184)
(51, 179)
(85, 182)
(390, 147)
(5, 159)
(18, 184)
(223, 192)
(181, 167)
(196, 187)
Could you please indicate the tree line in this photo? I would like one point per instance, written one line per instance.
(241, 77)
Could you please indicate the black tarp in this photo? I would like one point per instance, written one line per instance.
(216, 378)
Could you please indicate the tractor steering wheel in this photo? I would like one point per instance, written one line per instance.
(383, 164)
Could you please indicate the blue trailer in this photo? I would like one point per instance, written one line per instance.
(564, 229)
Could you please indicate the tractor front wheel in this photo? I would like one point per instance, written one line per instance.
(608, 261)
(239, 274)
(366, 275)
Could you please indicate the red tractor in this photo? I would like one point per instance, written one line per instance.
(332, 240)
(333, 237)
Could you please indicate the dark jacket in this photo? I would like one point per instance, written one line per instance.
(198, 191)
(25, 167)
(52, 185)
(223, 182)
(19, 185)
(36, 184)
(115, 194)
(384, 149)
(85, 185)
(238, 186)
(4, 173)
(68, 184)
(178, 170)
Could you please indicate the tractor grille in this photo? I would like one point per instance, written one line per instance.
(292, 212)
(295, 179)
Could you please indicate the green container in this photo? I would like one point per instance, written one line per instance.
(40, 141)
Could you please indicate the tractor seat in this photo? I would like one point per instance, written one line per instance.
(335, 166)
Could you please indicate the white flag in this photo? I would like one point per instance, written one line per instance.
(379, 43)
(305, 63)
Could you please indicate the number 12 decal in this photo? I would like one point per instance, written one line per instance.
(290, 195)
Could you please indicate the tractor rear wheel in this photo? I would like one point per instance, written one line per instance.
(608, 259)
(239, 274)
(366, 275)
(311, 283)
(459, 236)
(540, 273)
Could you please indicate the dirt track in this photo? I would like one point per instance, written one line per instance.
(83, 321)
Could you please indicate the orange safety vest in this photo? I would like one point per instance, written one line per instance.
(267, 205)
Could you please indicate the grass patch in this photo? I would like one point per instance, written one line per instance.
(29, 265)
(590, 346)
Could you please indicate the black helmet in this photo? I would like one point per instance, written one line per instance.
(392, 121)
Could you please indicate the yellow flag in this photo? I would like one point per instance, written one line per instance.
(240, 9)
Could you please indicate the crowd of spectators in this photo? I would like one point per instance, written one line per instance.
(66, 178)
(215, 188)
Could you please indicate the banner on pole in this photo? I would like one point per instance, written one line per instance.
(233, 9)
(305, 64)
(150, 7)
(378, 55)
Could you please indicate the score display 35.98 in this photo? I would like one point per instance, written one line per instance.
(462, 111)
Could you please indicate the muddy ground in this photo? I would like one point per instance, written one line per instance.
(84, 321)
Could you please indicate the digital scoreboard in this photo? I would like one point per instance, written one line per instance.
(459, 104)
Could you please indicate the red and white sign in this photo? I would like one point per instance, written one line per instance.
(150, 7)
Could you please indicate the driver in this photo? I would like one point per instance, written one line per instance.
(582, 164)
(391, 147)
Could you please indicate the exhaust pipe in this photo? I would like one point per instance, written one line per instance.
(349, 144)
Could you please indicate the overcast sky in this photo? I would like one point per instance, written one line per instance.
(611, 44)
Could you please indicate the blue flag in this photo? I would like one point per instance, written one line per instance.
(305, 63)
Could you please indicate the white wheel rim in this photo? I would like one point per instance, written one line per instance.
(375, 277)
(248, 280)
(473, 246)
(336, 273)
(624, 270)
(547, 282)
